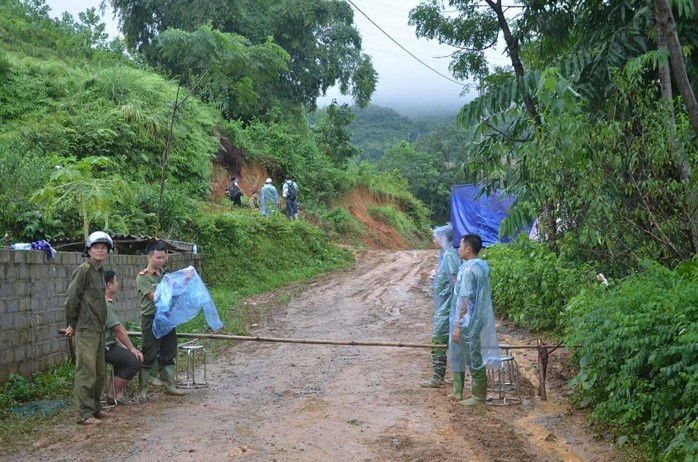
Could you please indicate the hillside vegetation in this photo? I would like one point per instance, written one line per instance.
(84, 129)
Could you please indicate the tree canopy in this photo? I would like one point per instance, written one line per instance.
(318, 35)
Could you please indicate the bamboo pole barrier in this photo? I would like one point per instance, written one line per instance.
(542, 349)
(301, 340)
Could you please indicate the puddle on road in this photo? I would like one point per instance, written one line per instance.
(563, 447)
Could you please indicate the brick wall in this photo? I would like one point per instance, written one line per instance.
(32, 293)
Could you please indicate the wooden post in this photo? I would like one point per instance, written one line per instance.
(542, 369)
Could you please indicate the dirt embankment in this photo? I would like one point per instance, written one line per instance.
(295, 402)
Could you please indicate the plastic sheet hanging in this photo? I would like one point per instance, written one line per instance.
(178, 298)
(481, 215)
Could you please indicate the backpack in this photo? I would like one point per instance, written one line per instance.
(234, 192)
(291, 192)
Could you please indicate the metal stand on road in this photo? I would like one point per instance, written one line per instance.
(504, 382)
(192, 350)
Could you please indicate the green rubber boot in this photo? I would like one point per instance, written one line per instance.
(458, 379)
(438, 370)
(154, 372)
(168, 380)
(143, 380)
(479, 389)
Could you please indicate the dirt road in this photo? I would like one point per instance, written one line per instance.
(289, 402)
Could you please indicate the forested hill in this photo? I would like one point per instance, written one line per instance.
(375, 128)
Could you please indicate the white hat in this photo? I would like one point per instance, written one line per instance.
(268, 180)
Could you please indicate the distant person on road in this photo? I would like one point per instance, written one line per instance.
(442, 285)
(473, 344)
(234, 192)
(122, 355)
(270, 198)
(254, 202)
(86, 313)
(146, 283)
(290, 194)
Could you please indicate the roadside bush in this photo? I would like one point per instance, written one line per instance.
(531, 284)
(639, 359)
(249, 253)
(54, 384)
(391, 215)
(341, 222)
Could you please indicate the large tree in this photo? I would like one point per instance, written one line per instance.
(319, 35)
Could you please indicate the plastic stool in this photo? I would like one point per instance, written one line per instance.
(192, 349)
(505, 382)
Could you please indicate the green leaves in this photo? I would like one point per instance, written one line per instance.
(640, 335)
(85, 185)
(531, 285)
(225, 69)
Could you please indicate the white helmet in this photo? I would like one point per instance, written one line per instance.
(99, 236)
(268, 180)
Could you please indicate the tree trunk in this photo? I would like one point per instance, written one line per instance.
(513, 50)
(667, 39)
(85, 219)
(665, 73)
(665, 23)
(549, 223)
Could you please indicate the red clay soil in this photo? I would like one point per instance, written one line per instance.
(250, 179)
(378, 234)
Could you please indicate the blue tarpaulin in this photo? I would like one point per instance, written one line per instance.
(482, 216)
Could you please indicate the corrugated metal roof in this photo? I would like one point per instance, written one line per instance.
(124, 244)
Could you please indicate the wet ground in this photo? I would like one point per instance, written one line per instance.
(296, 402)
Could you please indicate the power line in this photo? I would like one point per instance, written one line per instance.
(402, 47)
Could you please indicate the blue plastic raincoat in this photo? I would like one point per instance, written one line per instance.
(178, 298)
(444, 280)
(479, 347)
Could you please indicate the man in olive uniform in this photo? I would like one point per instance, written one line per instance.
(86, 313)
(122, 355)
(146, 283)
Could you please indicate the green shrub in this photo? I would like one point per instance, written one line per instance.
(341, 222)
(54, 384)
(250, 254)
(639, 358)
(531, 284)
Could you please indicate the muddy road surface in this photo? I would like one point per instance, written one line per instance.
(295, 402)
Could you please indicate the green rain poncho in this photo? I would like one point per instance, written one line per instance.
(478, 346)
(444, 280)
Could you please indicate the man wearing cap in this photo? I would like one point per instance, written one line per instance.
(86, 313)
(270, 198)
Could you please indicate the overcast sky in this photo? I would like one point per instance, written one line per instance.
(404, 84)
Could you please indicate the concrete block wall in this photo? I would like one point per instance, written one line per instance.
(32, 294)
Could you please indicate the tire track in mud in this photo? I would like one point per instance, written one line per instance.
(295, 402)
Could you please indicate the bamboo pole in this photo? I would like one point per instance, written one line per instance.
(323, 342)
(302, 340)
